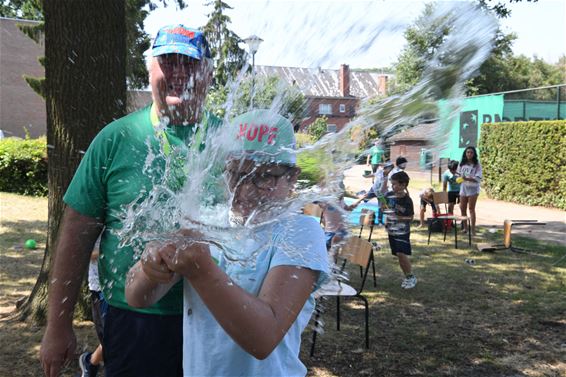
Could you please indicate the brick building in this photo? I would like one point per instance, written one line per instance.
(335, 94)
(413, 142)
(20, 107)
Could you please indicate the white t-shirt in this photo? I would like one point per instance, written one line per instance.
(469, 188)
(208, 350)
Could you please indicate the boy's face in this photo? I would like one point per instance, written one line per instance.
(255, 185)
(398, 187)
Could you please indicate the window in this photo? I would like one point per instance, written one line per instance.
(325, 109)
(342, 108)
(331, 128)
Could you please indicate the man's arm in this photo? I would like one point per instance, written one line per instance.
(76, 239)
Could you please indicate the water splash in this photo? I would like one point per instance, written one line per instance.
(204, 201)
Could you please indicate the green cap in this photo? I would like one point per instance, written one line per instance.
(264, 136)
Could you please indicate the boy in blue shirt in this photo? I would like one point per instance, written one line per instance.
(399, 215)
(244, 316)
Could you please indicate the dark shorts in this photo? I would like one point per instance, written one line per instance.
(374, 167)
(400, 244)
(454, 196)
(142, 345)
(99, 310)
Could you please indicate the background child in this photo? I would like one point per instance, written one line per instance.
(244, 318)
(398, 225)
(400, 165)
(90, 362)
(379, 188)
(335, 228)
(449, 180)
(426, 199)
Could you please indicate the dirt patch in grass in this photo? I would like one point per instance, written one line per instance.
(502, 316)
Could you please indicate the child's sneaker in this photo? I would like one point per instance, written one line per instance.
(409, 282)
(87, 369)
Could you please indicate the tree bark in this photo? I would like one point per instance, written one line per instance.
(85, 50)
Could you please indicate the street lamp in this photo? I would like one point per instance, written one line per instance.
(253, 42)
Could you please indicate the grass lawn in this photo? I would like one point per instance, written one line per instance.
(503, 316)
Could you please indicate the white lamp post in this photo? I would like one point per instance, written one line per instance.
(253, 42)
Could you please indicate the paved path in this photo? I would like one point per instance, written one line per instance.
(490, 213)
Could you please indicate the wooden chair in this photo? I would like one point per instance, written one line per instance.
(356, 251)
(507, 244)
(367, 219)
(447, 219)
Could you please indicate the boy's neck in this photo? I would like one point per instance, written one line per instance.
(400, 194)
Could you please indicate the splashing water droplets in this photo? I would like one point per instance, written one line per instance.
(204, 200)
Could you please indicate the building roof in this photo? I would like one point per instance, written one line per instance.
(320, 82)
(423, 131)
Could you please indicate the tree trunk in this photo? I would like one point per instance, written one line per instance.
(85, 50)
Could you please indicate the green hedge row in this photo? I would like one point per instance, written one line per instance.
(525, 162)
(23, 166)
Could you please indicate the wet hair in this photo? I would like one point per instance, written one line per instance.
(464, 160)
(453, 165)
(401, 177)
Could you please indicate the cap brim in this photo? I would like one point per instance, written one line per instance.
(177, 49)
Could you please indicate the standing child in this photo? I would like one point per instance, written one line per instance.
(244, 318)
(449, 181)
(398, 225)
(400, 165)
(470, 171)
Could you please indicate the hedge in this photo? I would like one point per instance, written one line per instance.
(23, 166)
(525, 162)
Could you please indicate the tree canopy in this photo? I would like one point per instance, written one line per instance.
(228, 57)
(502, 71)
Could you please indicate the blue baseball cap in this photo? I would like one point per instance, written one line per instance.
(179, 39)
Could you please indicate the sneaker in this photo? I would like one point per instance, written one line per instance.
(87, 369)
(409, 282)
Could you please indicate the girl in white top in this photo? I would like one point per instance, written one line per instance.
(471, 173)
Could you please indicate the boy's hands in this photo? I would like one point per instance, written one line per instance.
(190, 256)
(185, 254)
(153, 263)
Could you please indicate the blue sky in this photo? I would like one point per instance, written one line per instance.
(363, 34)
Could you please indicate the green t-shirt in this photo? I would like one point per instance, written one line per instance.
(120, 167)
(376, 155)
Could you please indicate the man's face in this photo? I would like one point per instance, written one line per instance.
(256, 185)
(179, 85)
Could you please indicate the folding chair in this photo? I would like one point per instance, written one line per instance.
(447, 219)
(507, 227)
(356, 251)
(367, 219)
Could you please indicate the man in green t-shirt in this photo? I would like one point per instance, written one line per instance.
(121, 166)
(375, 156)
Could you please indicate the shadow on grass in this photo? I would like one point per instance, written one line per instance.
(16, 232)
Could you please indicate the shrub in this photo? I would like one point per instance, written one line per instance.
(303, 139)
(312, 170)
(23, 166)
(525, 162)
